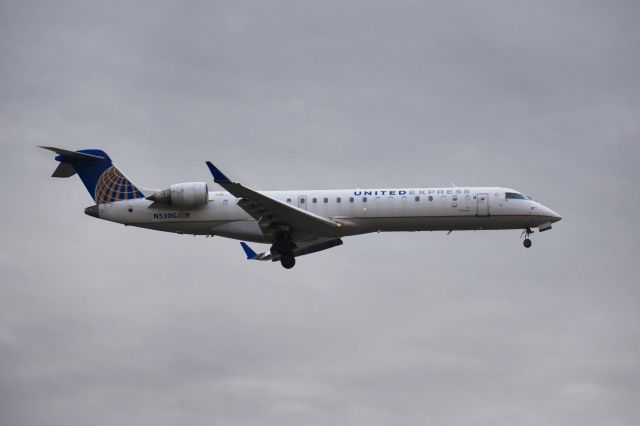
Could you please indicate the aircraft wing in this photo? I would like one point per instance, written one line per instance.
(302, 249)
(273, 215)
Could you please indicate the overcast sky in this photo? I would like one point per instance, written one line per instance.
(106, 325)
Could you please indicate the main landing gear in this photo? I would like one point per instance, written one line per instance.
(526, 233)
(288, 261)
(284, 247)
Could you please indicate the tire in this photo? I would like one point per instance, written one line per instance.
(287, 262)
(527, 242)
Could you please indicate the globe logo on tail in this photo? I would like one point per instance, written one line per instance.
(114, 186)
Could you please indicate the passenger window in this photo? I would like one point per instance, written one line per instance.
(364, 199)
(455, 198)
(314, 200)
(288, 200)
(417, 198)
(338, 200)
(326, 200)
(430, 198)
(351, 199)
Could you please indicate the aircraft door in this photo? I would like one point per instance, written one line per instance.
(302, 201)
(483, 204)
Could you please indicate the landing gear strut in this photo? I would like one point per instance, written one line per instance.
(526, 233)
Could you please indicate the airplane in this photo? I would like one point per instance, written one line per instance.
(300, 222)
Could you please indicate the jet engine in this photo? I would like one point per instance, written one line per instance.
(189, 194)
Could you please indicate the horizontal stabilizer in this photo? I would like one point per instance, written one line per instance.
(73, 155)
(64, 170)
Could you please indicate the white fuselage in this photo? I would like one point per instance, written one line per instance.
(359, 211)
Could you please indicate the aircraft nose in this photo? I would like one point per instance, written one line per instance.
(555, 216)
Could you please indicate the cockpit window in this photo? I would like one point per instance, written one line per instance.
(514, 196)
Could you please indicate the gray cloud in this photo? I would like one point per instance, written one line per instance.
(103, 324)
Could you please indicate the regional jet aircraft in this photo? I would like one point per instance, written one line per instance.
(300, 222)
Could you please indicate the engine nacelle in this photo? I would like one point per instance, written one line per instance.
(189, 194)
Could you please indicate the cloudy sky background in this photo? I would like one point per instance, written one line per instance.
(106, 325)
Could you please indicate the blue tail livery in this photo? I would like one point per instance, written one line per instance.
(102, 179)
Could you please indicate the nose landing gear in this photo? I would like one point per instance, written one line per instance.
(527, 242)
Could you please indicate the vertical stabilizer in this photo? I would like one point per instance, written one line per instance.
(102, 179)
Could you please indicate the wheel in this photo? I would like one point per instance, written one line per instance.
(527, 242)
(288, 262)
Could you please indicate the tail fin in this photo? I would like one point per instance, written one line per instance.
(102, 179)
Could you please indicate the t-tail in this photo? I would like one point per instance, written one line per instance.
(102, 179)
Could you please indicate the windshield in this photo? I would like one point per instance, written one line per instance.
(515, 196)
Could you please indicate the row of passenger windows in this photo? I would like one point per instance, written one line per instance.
(365, 199)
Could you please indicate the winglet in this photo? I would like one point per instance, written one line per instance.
(250, 253)
(218, 176)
